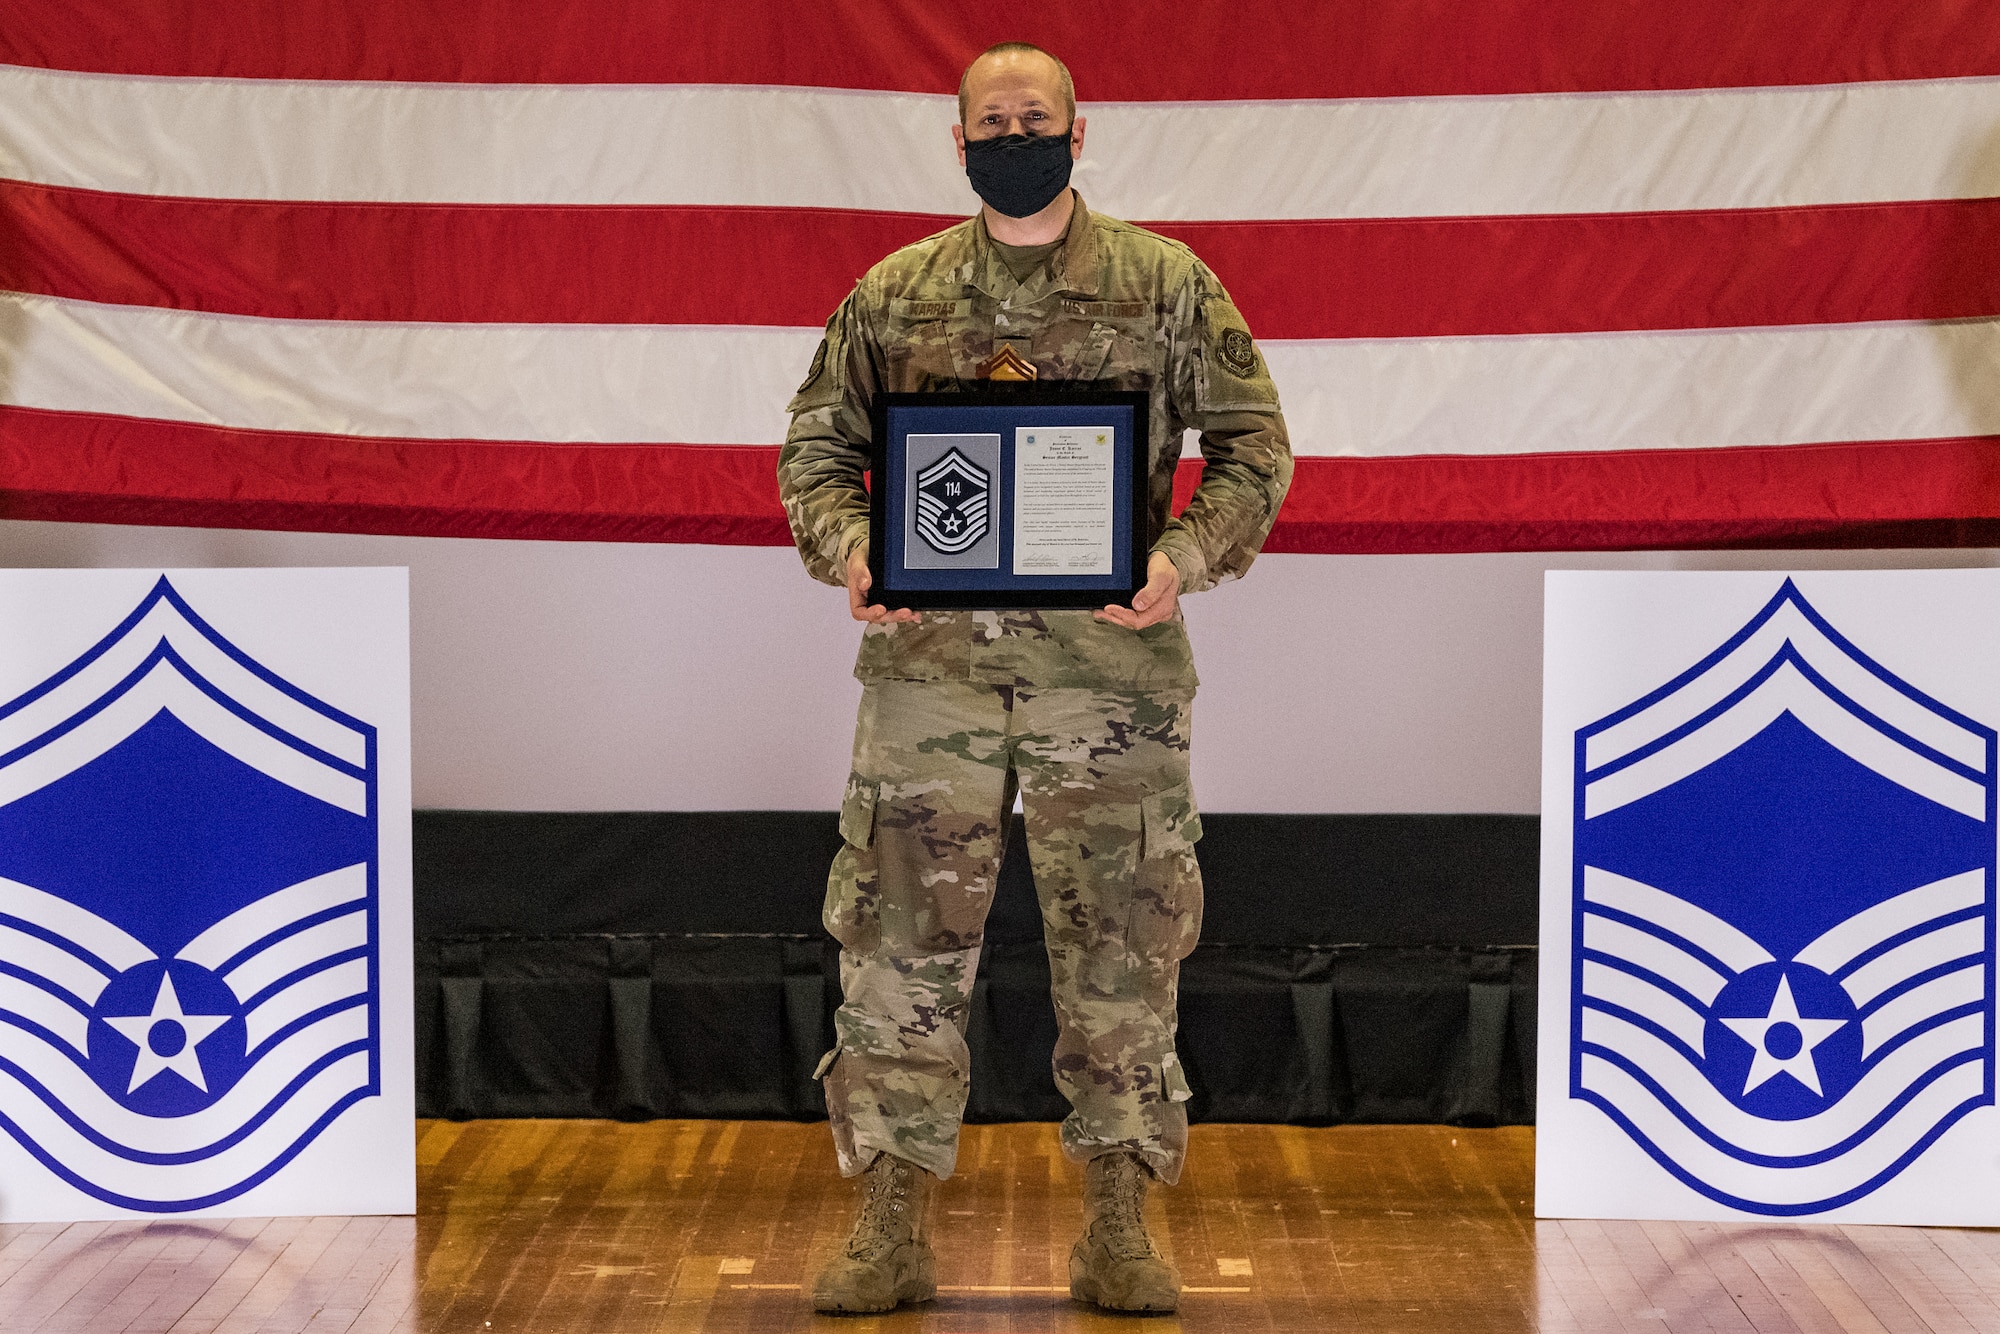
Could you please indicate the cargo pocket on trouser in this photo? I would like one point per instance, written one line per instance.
(847, 1107)
(857, 811)
(852, 913)
(1166, 895)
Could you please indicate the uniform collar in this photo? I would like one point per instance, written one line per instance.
(989, 273)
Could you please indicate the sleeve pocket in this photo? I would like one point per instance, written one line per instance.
(857, 811)
(1170, 821)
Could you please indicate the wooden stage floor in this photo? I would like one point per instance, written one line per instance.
(549, 1227)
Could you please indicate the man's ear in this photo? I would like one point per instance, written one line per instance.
(1075, 141)
(958, 138)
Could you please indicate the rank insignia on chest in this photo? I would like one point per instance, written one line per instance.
(1008, 364)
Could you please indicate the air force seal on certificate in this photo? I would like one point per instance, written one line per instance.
(191, 925)
(1781, 918)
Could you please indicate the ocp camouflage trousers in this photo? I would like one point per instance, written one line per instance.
(1111, 825)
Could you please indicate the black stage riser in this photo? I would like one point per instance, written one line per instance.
(1354, 968)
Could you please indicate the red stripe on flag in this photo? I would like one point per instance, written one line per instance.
(1577, 273)
(1895, 493)
(1120, 50)
(479, 263)
(97, 468)
(103, 469)
(764, 266)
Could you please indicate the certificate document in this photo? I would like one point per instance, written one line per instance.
(1064, 499)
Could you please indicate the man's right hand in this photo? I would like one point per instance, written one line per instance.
(859, 581)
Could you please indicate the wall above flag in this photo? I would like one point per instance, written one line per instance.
(1526, 278)
(1768, 897)
(204, 893)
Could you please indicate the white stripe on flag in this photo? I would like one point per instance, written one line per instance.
(611, 383)
(814, 147)
(1534, 394)
(729, 385)
(1569, 153)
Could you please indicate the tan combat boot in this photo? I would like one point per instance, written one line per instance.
(888, 1257)
(1115, 1263)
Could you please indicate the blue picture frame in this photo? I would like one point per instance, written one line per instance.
(943, 530)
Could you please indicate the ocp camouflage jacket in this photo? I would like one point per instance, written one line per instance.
(1119, 305)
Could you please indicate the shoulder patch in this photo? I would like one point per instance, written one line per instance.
(818, 365)
(1239, 354)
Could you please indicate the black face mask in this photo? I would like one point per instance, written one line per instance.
(1019, 174)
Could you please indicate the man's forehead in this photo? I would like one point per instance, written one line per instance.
(1028, 76)
(1009, 95)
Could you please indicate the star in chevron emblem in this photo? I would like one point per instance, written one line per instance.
(1783, 1041)
(167, 1038)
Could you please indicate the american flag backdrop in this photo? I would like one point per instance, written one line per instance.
(1528, 273)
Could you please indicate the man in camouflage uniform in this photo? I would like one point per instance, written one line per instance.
(1084, 714)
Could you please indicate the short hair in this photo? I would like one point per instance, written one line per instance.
(1063, 86)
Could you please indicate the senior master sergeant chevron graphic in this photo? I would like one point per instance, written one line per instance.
(1783, 917)
(952, 499)
(188, 908)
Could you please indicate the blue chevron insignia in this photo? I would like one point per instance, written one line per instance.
(1783, 918)
(188, 904)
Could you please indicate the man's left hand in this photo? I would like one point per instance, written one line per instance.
(1153, 603)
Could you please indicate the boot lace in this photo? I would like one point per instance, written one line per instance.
(1121, 1227)
(885, 1211)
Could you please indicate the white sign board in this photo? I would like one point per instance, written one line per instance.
(204, 893)
(1768, 848)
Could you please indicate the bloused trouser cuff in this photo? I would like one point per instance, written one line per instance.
(897, 1082)
(1111, 830)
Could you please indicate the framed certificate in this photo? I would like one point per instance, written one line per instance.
(1003, 498)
